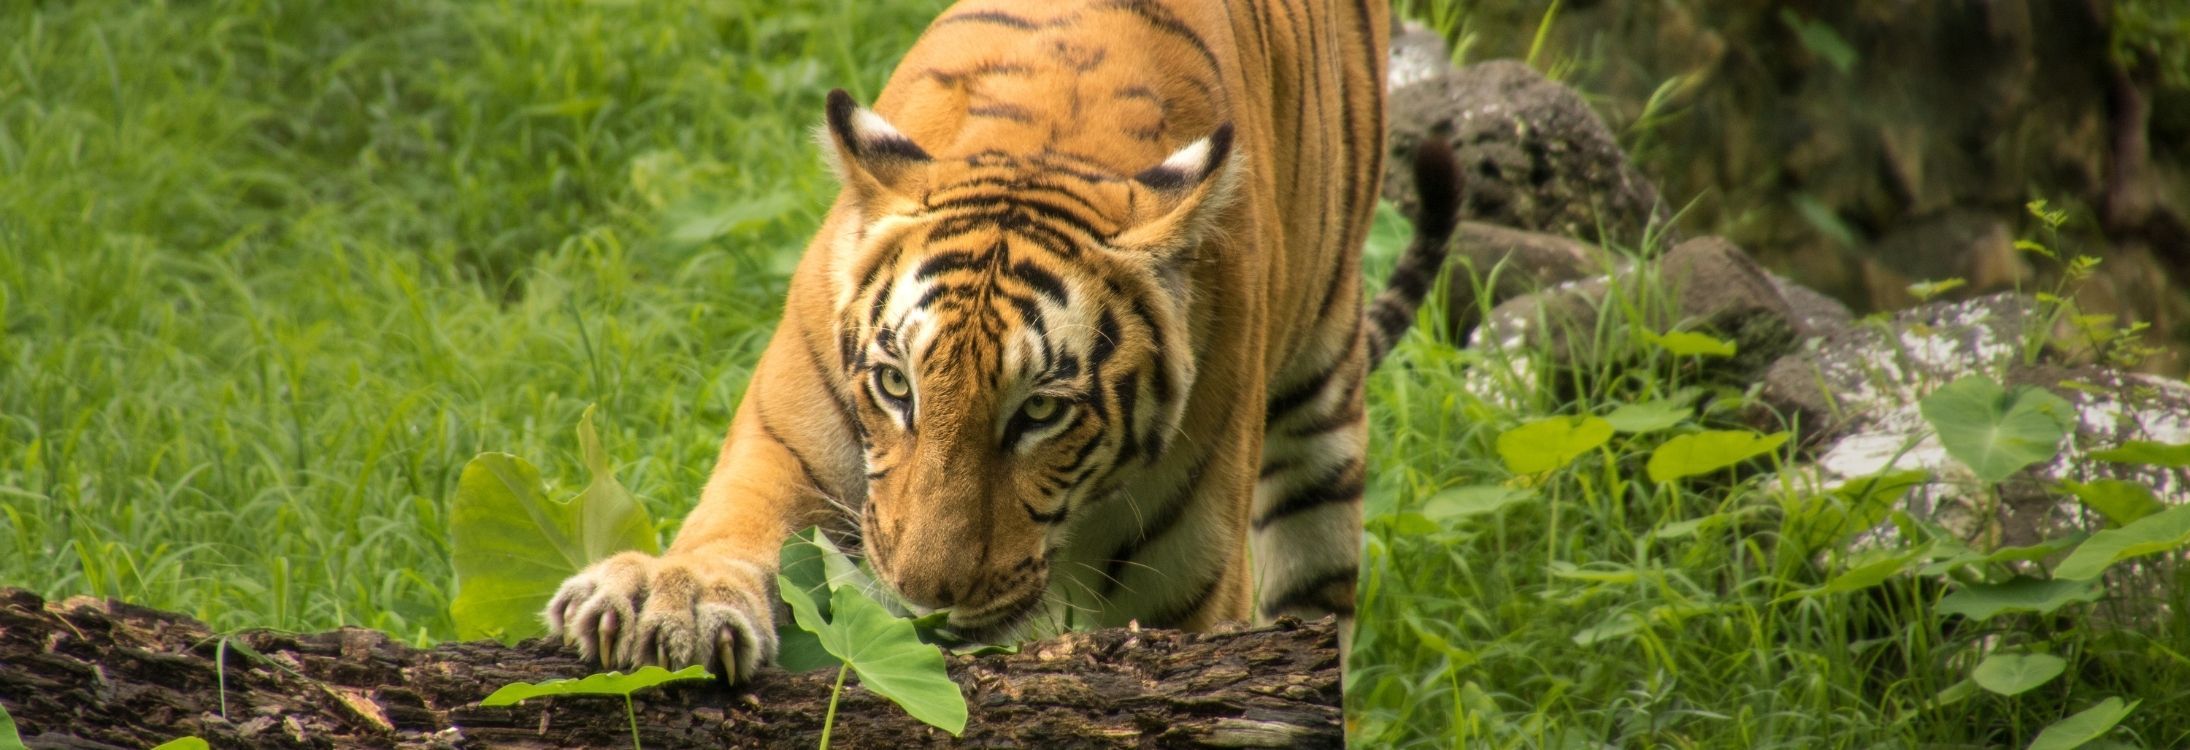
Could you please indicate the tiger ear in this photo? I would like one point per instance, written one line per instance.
(875, 162)
(1190, 190)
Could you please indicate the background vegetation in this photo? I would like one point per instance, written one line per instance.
(270, 272)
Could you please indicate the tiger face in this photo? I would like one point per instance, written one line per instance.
(1012, 334)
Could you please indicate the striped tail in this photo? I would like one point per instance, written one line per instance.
(1437, 183)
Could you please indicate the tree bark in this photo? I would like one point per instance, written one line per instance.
(88, 673)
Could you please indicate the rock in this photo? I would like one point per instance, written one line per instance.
(1856, 396)
(1715, 287)
(1815, 314)
(1418, 54)
(1502, 263)
(1536, 156)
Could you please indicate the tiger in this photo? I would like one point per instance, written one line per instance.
(1081, 340)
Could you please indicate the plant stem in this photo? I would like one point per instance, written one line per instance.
(828, 721)
(633, 717)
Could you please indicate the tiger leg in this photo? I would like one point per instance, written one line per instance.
(1306, 523)
(710, 599)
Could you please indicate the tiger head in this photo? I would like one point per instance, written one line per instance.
(1014, 333)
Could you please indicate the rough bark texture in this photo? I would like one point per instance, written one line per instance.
(88, 673)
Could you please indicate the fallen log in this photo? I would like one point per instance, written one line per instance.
(92, 673)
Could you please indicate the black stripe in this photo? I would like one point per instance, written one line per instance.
(1284, 403)
(1167, 518)
(1343, 483)
(951, 260)
(804, 466)
(1305, 594)
(1162, 19)
(1045, 519)
(829, 381)
(1176, 614)
(989, 17)
(1042, 280)
(1012, 112)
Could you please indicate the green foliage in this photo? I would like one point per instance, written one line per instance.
(1709, 451)
(1691, 344)
(611, 683)
(9, 738)
(1462, 502)
(1994, 431)
(184, 743)
(2120, 500)
(1550, 443)
(2087, 725)
(884, 649)
(2147, 452)
(2013, 674)
(2160, 532)
(1985, 601)
(513, 544)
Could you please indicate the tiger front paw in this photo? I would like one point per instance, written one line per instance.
(636, 609)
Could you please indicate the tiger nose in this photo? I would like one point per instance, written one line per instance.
(933, 592)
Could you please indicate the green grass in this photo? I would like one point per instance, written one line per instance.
(271, 272)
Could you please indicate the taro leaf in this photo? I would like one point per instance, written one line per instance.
(884, 650)
(1709, 451)
(2122, 502)
(2087, 725)
(1649, 416)
(1463, 502)
(1550, 443)
(1691, 344)
(1859, 576)
(1994, 431)
(1855, 506)
(512, 545)
(179, 743)
(2014, 674)
(2147, 452)
(9, 738)
(804, 569)
(612, 683)
(1964, 556)
(2159, 532)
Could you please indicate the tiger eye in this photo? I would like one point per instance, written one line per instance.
(894, 383)
(1039, 408)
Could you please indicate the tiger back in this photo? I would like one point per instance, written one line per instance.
(1081, 337)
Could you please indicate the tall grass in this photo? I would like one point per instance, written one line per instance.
(270, 272)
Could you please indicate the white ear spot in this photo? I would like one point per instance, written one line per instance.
(1189, 166)
(866, 135)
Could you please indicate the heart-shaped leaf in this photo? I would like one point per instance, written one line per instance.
(885, 651)
(1987, 601)
(2159, 532)
(2120, 501)
(1547, 444)
(2148, 453)
(179, 743)
(2014, 674)
(1463, 502)
(612, 683)
(2087, 725)
(1709, 451)
(1993, 431)
(1649, 416)
(512, 545)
